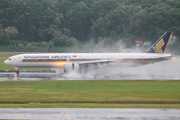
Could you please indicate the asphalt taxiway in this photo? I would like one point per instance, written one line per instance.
(90, 113)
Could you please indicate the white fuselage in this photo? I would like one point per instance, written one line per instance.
(59, 59)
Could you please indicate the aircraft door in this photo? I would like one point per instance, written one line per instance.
(20, 60)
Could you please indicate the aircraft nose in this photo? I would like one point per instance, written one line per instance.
(5, 62)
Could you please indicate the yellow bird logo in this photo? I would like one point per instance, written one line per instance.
(159, 45)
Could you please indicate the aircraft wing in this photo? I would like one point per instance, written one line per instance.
(137, 60)
(97, 61)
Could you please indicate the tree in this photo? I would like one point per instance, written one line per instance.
(125, 21)
(28, 16)
(102, 7)
(160, 18)
(100, 28)
(46, 20)
(10, 32)
(78, 21)
(64, 6)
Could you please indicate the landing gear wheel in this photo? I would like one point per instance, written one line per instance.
(17, 71)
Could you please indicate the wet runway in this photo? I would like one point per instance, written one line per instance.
(76, 76)
(166, 70)
(90, 113)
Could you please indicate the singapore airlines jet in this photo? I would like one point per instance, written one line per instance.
(78, 61)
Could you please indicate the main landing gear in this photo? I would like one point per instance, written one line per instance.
(17, 72)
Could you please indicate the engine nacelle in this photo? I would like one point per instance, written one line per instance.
(71, 67)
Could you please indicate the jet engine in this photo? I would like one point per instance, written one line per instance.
(71, 67)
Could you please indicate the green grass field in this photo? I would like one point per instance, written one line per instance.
(102, 93)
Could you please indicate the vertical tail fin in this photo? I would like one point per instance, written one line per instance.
(161, 44)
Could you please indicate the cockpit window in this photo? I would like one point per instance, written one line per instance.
(9, 58)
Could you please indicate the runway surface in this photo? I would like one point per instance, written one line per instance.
(90, 113)
(165, 70)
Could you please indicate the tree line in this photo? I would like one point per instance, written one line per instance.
(68, 22)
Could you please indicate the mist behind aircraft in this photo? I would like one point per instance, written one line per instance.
(169, 69)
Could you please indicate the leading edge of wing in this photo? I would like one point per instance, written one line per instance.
(97, 61)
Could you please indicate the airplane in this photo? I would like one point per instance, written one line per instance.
(79, 61)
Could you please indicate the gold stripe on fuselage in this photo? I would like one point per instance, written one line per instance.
(63, 60)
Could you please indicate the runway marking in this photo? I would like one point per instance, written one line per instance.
(67, 114)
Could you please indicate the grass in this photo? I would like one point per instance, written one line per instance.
(150, 94)
(8, 54)
(87, 105)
